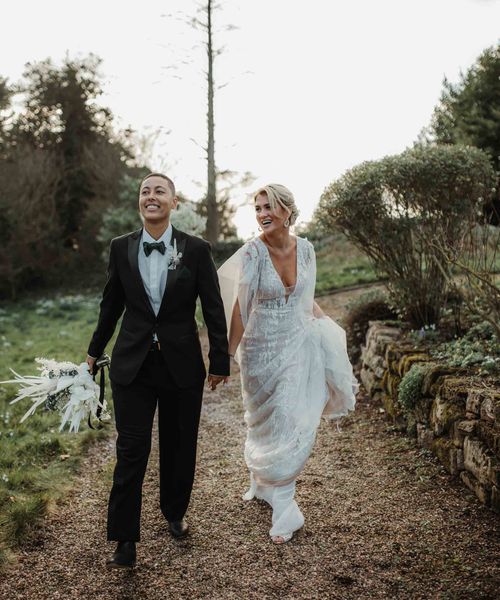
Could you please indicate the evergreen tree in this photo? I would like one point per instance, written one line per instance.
(469, 113)
(61, 114)
(229, 184)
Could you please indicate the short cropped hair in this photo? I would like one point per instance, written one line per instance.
(171, 184)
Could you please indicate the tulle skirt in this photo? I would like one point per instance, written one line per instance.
(294, 370)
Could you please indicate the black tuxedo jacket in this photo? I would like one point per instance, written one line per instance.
(175, 324)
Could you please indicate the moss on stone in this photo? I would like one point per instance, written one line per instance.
(406, 362)
(422, 410)
(392, 385)
(442, 448)
(395, 352)
(434, 378)
(391, 358)
(455, 389)
(390, 406)
(444, 413)
(490, 435)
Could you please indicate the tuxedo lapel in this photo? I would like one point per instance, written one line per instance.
(180, 241)
(133, 259)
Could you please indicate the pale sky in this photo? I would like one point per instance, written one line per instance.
(314, 87)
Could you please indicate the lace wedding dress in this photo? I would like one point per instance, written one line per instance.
(294, 370)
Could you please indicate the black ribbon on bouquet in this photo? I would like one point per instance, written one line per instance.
(100, 367)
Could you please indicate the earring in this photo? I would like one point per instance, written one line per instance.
(259, 228)
(286, 223)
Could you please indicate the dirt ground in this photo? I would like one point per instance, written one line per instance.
(383, 520)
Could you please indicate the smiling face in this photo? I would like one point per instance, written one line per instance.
(156, 200)
(269, 220)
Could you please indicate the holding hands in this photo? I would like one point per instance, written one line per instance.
(214, 380)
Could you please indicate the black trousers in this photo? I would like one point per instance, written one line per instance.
(178, 419)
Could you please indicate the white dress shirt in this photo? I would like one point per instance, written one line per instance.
(154, 268)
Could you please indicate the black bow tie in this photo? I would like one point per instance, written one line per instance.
(150, 246)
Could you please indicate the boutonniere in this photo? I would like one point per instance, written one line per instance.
(174, 258)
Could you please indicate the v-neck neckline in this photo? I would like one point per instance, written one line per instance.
(292, 287)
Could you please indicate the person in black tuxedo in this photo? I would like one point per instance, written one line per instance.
(155, 275)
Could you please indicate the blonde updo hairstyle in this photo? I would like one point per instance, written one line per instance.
(279, 194)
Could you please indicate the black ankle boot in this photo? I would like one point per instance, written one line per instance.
(123, 557)
(178, 529)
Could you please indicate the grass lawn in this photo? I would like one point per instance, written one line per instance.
(35, 459)
(340, 264)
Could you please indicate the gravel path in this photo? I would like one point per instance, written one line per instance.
(383, 520)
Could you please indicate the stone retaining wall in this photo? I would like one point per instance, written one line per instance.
(457, 417)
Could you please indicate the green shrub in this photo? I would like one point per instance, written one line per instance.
(428, 333)
(394, 209)
(478, 348)
(123, 218)
(410, 388)
(370, 306)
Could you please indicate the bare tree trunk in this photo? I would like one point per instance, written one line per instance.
(212, 213)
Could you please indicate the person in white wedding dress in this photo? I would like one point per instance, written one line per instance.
(293, 358)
